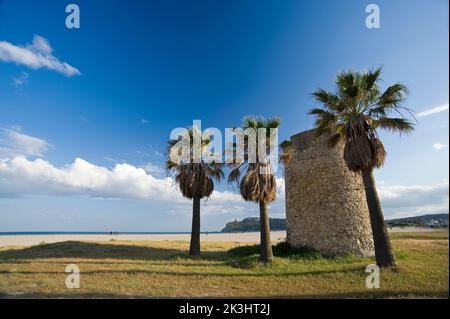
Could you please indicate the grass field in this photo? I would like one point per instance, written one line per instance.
(125, 269)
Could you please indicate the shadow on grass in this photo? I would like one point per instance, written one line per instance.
(76, 249)
(120, 252)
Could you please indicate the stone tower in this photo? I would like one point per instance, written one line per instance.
(326, 206)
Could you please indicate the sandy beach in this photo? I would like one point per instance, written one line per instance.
(30, 240)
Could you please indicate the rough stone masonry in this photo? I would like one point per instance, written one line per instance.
(326, 205)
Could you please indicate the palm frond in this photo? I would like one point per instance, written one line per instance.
(400, 125)
(234, 175)
(347, 84)
(369, 79)
(328, 99)
(325, 121)
(394, 96)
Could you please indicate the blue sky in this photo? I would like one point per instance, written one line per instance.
(82, 143)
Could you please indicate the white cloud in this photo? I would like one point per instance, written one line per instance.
(21, 79)
(37, 55)
(437, 109)
(439, 146)
(154, 169)
(15, 143)
(412, 200)
(144, 121)
(21, 176)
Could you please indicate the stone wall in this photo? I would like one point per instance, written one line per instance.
(326, 206)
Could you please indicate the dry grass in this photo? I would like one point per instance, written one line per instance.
(163, 269)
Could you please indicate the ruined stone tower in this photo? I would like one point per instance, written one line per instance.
(326, 206)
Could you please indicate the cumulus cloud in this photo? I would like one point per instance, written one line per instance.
(412, 200)
(35, 55)
(439, 146)
(19, 176)
(434, 110)
(15, 143)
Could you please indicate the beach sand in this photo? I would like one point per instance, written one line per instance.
(29, 240)
(276, 236)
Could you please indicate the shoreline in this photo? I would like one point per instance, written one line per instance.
(248, 237)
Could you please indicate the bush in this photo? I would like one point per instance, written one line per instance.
(280, 250)
(283, 249)
(244, 251)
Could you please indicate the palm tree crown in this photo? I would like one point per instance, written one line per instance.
(356, 111)
(256, 180)
(195, 179)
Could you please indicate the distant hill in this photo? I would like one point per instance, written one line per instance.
(440, 220)
(251, 224)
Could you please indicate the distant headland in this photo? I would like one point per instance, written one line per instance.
(251, 224)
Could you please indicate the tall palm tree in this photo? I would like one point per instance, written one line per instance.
(196, 181)
(256, 179)
(353, 114)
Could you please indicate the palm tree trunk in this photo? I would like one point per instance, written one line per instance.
(266, 245)
(384, 254)
(195, 233)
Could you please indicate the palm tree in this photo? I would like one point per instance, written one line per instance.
(353, 114)
(256, 179)
(196, 181)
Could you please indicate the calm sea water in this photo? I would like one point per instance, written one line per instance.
(94, 233)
